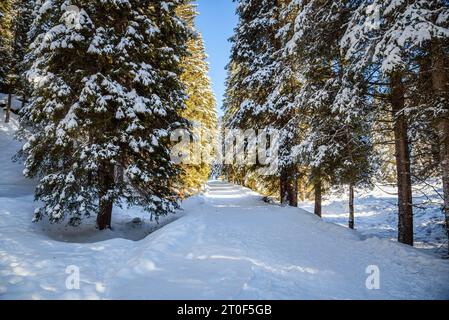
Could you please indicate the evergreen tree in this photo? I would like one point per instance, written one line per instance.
(260, 86)
(396, 37)
(6, 49)
(200, 110)
(5, 40)
(375, 22)
(106, 93)
(332, 111)
(23, 18)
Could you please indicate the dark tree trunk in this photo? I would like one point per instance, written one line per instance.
(288, 186)
(444, 164)
(8, 107)
(293, 190)
(439, 85)
(302, 189)
(119, 174)
(318, 195)
(402, 153)
(104, 218)
(351, 206)
(283, 188)
(24, 99)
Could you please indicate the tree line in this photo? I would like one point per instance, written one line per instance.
(358, 90)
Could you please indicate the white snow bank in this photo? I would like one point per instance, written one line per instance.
(16, 103)
(376, 214)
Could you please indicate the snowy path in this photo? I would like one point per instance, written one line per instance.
(228, 245)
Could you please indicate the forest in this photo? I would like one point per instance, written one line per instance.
(357, 90)
(111, 131)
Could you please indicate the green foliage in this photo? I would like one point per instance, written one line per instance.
(106, 95)
(200, 104)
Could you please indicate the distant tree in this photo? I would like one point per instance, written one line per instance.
(201, 106)
(6, 49)
(260, 87)
(22, 21)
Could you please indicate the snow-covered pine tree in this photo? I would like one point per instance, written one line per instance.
(5, 39)
(437, 22)
(106, 93)
(6, 48)
(375, 23)
(252, 57)
(405, 42)
(282, 103)
(332, 112)
(261, 85)
(200, 110)
(425, 39)
(22, 21)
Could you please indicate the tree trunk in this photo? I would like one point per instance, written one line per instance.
(104, 217)
(8, 107)
(351, 206)
(302, 189)
(283, 188)
(293, 190)
(439, 85)
(119, 174)
(444, 164)
(288, 186)
(402, 153)
(24, 99)
(318, 195)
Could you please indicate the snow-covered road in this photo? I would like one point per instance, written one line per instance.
(229, 244)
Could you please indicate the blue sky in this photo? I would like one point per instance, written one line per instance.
(216, 23)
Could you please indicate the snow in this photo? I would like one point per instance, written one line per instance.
(12, 182)
(225, 244)
(16, 103)
(376, 215)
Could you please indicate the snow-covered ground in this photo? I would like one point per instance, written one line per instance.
(226, 244)
(376, 215)
(16, 102)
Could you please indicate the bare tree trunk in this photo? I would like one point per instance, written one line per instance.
(402, 152)
(283, 188)
(288, 186)
(351, 206)
(318, 194)
(104, 218)
(8, 107)
(24, 99)
(439, 85)
(293, 189)
(302, 189)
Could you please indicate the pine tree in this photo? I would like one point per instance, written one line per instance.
(23, 18)
(6, 49)
(200, 110)
(106, 93)
(261, 85)
(332, 111)
(375, 23)
(402, 41)
(5, 39)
